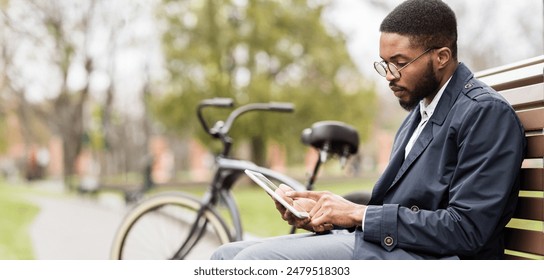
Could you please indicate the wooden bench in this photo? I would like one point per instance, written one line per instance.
(522, 84)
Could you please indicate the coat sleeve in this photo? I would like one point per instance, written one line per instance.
(490, 146)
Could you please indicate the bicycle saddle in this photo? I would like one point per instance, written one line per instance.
(333, 137)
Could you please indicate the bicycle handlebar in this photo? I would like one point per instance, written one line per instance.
(217, 102)
(272, 106)
(281, 107)
(221, 129)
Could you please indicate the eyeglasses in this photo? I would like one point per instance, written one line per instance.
(382, 68)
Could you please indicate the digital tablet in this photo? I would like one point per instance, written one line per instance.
(271, 188)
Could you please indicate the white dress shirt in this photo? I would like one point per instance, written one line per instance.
(426, 112)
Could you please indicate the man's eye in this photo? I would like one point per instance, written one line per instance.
(400, 65)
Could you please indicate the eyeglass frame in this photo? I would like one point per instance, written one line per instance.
(387, 66)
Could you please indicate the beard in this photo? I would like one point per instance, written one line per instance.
(426, 86)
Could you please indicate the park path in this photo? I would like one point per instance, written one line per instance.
(75, 227)
(80, 227)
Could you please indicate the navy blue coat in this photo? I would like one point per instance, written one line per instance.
(458, 186)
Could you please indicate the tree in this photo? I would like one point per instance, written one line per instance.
(53, 37)
(260, 51)
(52, 54)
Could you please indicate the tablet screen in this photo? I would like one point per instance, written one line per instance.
(271, 188)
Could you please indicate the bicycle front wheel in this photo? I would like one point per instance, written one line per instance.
(160, 228)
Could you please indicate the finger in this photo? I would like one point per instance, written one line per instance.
(286, 198)
(279, 206)
(319, 216)
(290, 220)
(300, 206)
(323, 228)
(283, 212)
(293, 220)
(305, 194)
(289, 217)
(301, 223)
(285, 188)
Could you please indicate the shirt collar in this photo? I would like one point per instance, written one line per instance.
(428, 110)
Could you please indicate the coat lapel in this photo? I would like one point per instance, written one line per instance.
(397, 157)
(422, 142)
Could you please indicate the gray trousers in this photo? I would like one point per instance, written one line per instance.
(338, 245)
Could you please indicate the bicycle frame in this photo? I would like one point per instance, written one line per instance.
(228, 171)
(225, 227)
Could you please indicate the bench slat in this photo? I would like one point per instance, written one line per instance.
(527, 96)
(530, 208)
(532, 119)
(535, 146)
(524, 241)
(515, 75)
(532, 179)
(514, 258)
(522, 85)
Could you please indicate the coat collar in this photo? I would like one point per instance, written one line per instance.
(457, 83)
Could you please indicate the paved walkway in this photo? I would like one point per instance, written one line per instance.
(75, 228)
(78, 227)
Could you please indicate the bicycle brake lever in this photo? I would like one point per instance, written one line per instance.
(217, 128)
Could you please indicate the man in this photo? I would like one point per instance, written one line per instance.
(450, 186)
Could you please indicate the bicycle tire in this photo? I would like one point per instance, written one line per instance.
(157, 227)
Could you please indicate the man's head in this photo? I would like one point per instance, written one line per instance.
(419, 39)
(428, 24)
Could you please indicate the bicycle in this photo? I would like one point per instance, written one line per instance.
(177, 225)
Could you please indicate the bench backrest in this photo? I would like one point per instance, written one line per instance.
(522, 84)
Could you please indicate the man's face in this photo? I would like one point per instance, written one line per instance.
(418, 80)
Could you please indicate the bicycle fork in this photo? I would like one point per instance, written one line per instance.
(198, 228)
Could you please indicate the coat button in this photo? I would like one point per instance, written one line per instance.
(414, 208)
(388, 241)
(467, 86)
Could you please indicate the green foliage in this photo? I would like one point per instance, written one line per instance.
(260, 51)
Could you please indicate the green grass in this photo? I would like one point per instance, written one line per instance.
(16, 216)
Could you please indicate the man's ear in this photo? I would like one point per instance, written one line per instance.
(444, 57)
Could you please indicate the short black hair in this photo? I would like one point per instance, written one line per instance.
(428, 23)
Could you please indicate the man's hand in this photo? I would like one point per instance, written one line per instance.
(330, 209)
(302, 204)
